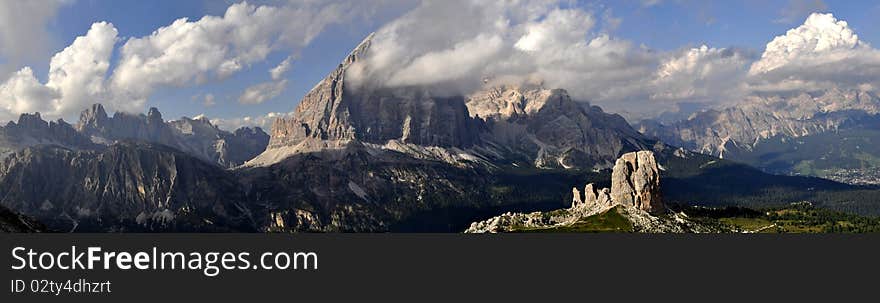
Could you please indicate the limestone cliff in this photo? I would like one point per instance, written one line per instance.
(635, 182)
(498, 125)
(197, 137)
(552, 130)
(718, 132)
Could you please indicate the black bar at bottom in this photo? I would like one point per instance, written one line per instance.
(469, 268)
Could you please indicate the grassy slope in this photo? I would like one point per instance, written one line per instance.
(608, 221)
(794, 218)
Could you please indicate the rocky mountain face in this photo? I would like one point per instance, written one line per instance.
(32, 130)
(505, 125)
(551, 130)
(197, 137)
(127, 173)
(635, 182)
(128, 186)
(332, 115)
(12, 222)
(359, 188)
(745, 125)
(634, 194)
(775, 133)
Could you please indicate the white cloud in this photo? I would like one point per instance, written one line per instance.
(259, 93)
(517, 41)
(184, 53)
(188, 52)
(23, 93)
(23, 34)
(78, 71)
(821, 34)
(559, 27)
(76, 78)
(822, 53)
(448, 65)
(539, 41)
(433, 31)
(701, 74)
(278, 71)
(450, 46)
(264, 121)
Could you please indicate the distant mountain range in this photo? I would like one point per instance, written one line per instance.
(529, 126)
(829, 134)
(359, 158)
(96, 130)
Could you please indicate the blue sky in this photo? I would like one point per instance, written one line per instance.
(663, 26)
(140, 18)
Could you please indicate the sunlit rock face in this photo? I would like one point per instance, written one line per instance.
(497, 124)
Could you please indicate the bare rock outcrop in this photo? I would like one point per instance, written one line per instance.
(339, 111)
(635, 191)
(551, 129)
(635, 182)
(591, 198)
(498, 124)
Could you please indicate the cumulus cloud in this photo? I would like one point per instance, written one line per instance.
(78, 71)
(215, 47)
(23, 34)
(452, 47)
(23, 93)
(264, 121)
(405, 46)
(822, 53)
(76, 78)
(516, 41)
(702, 74)
(184, 53)
(475, 43)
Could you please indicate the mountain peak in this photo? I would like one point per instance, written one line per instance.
(334, 113)
(31, 120)
(545, 125)
(94, 116)
(154, 115)
(98, 110)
